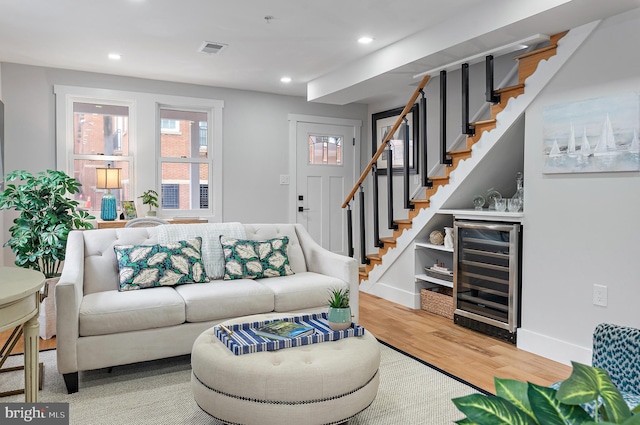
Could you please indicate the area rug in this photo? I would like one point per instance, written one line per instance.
(411, 393)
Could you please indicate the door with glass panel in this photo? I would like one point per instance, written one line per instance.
(325, 158)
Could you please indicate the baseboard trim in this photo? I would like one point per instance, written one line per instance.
(393, 294)
(552, 348)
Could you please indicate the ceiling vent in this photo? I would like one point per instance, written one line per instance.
(211, 48)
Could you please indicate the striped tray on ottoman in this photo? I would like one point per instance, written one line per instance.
(242, 339)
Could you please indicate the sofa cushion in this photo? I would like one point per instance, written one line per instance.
(249, 259)
(168, 264)
(223, 299)
(240, 259)
(261, 232)
(302, 290)
(111, 312)
(100, 264)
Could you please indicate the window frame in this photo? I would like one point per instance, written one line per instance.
(66, 161)
(144, 136)
(195, 186)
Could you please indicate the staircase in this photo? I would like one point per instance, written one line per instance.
(469, 154)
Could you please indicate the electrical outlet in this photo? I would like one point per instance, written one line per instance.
(416, 179)
(600, 295)
(284, 179)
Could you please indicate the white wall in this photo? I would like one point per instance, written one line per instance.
(255, 132)
(581, 229)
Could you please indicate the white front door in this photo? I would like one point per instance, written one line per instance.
(325, 167)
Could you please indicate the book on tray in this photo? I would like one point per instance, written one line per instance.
(281, 329)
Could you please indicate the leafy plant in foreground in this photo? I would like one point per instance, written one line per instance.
(525, 403)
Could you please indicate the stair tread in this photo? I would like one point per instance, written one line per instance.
(439, 178)
(537, 51)
(514, 87)
(388, 240)
(375, 256)
(484, 122)
(459, 152)
(403, 221)
(420, 201)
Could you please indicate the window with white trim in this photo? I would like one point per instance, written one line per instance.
(158, 140)
(100, 138)
(184, 162)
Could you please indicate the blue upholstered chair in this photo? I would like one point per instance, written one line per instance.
(616, 349)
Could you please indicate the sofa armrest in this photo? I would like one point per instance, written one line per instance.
(69, 293)
(323, 261)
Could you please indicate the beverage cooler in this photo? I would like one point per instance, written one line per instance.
(487, 277)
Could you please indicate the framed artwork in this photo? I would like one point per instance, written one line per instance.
(381, 124)
(592, 135)
(129, 210)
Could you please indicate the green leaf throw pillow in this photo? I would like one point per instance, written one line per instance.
(249, 259)
(169, 264)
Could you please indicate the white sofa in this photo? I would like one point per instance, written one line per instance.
(98, 326)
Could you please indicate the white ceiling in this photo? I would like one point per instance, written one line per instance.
(313, 42)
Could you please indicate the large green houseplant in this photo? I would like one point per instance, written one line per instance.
(47, 215)
(518, 402)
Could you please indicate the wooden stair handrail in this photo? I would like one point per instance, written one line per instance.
(390, 134)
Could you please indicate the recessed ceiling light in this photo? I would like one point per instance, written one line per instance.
(285, 79)
(365, 40)
(114, 56)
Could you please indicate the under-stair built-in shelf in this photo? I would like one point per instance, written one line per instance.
(427, 255)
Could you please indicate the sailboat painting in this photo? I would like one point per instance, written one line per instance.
(592, 135)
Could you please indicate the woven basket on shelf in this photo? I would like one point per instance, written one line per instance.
(437, 301)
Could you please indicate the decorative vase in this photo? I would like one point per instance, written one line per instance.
(151, 213)
(339, 318)
(108, 207)
(519, 190)
(47, 316)
(448, 237)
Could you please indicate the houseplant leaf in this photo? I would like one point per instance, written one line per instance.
(633, 420)
(491, 410)
(586, 384)
(515, 392)
(549, 410)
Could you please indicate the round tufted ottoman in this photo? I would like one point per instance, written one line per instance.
(325, 383)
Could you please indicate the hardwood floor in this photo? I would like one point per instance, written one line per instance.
(467, 354)
(19, 348)
(470, 355)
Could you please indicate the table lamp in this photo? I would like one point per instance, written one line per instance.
(108, 178)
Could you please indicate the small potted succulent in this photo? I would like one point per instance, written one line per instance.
(150, 197)
(339, 313)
